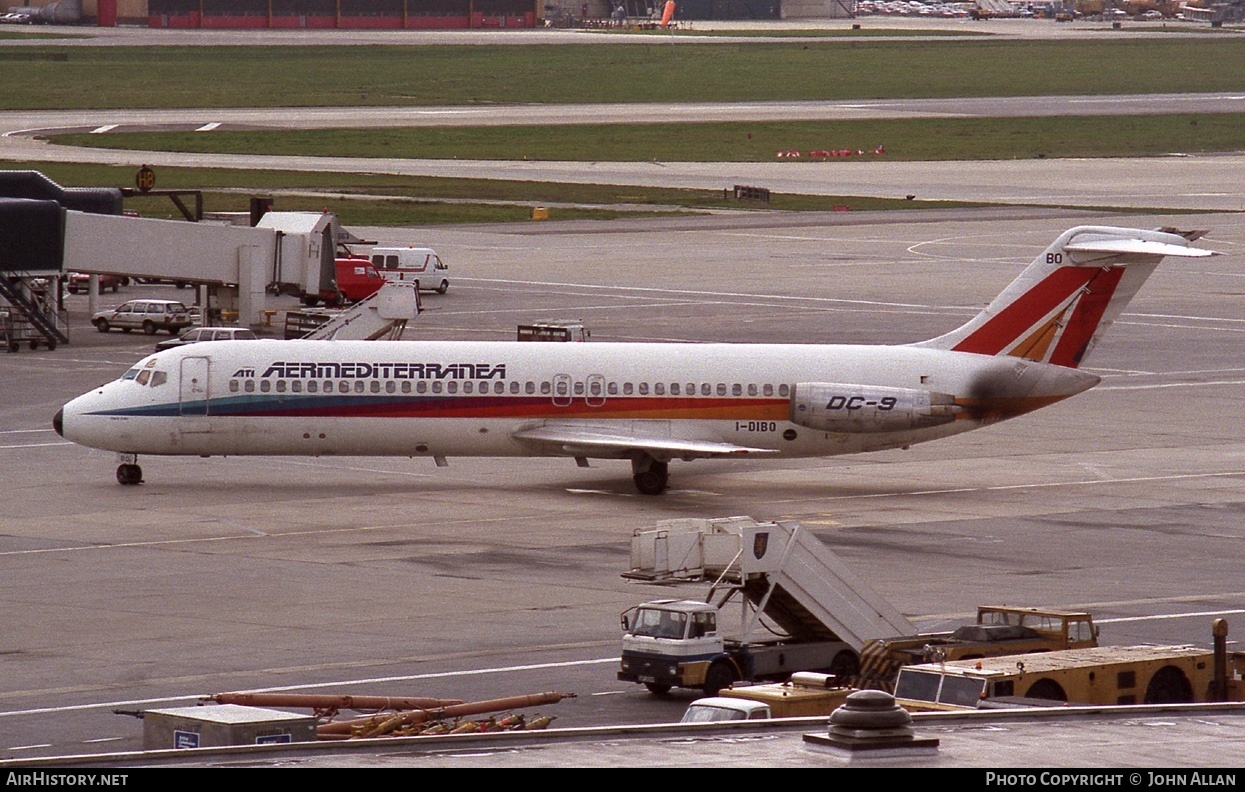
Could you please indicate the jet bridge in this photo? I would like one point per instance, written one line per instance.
(286, 253)
(779, 568)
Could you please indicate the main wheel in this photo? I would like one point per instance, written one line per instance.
(720, 676)
(444, 287)
(656, 689)
(149, 327)
(129, 475)
(102, 325)
(845, 665)
(650, 476)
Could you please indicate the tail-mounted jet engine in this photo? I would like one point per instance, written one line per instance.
(831, 407)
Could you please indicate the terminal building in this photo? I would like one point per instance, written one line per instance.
(414, 14)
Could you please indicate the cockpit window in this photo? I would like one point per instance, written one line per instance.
(129, 375)
(143, 376)
(158, 378)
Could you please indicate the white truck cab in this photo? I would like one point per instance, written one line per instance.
(418, 264)
(671, 643)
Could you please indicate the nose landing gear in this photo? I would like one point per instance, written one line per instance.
(128, 472)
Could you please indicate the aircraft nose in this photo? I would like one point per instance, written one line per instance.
(58, 422)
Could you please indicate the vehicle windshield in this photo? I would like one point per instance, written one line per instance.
(655, 623)
(917, 685)
(961, 691)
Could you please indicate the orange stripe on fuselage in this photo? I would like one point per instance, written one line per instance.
(616, 408)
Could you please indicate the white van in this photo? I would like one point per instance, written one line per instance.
(421, 265)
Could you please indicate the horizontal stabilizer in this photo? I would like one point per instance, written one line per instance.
(1143, 246)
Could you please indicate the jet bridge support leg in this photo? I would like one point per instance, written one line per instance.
(650, 475)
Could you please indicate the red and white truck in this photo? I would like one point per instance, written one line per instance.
(354, 279)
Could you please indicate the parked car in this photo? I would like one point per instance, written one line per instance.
(197, 334)
(81, 282)
(149, 316)
(181, 284)
(709, 710)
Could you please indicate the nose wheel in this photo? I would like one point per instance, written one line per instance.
(129, 474)
(650, 475)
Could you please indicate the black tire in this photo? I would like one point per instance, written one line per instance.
(1169, 685)
(1047, 689)
(14, 346)
(129, 475)
(845, 665)
(719, 677)
(102, 325)
(650, 478)
(51, 346)
(656, 689)
(149, 327)
(444, 287)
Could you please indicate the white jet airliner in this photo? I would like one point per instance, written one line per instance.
(648, 403)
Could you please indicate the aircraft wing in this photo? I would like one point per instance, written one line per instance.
(603, 441)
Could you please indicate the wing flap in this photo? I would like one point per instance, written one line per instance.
(605, 441)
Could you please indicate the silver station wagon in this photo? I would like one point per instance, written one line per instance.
(149, 316)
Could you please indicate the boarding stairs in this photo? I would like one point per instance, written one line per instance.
(781, 570)
(380, 317)
(31, 313)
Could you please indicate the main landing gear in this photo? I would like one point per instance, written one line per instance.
(128, 472)
(650, 475)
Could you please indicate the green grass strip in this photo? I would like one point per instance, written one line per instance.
(173, 77)
(379, 200)
(903, 139)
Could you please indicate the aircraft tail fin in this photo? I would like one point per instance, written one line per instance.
(1059, 306)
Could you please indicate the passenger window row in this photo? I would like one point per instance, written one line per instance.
(515, 388)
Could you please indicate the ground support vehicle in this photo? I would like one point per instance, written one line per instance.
(554, 330)
(999, 630)
(355, 279)
(800, 608)
(1103, 675)
(421, 265)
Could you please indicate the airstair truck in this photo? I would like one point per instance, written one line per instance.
(801, 608)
